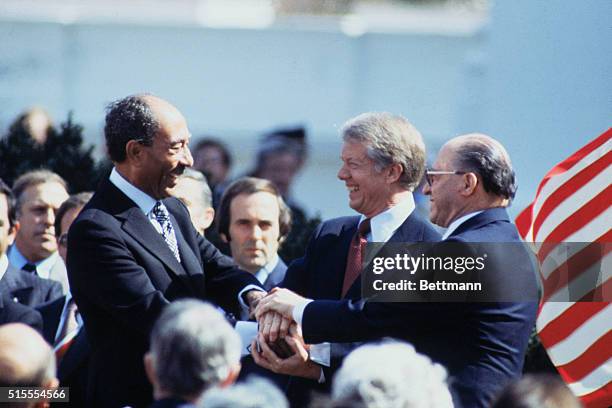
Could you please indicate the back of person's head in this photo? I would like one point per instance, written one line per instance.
(192, 349)
(537, 391)
(75, 201)
(193, 190)
(390, 374)
(255, 392)
(26, 360)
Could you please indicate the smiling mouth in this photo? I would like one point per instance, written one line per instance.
(352, 189)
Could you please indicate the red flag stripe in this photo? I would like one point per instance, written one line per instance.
(580, 218)
(601, 398)
(598, 294)
(568, 188)
(523, 221)
(597, 354)
(568, 321)
(571, 161)
(565, 273)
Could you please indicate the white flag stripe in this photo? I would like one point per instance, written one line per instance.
(559, 255)
(558, 180)
(594, 229)
(574, 202)
(576, 343)
(588, 280)
(549, 312)
(594, 380)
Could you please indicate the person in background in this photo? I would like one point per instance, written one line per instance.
(193, 190)
(253, 393)
(38, 196)
(213, 158)
(537, 391)
(193, 349)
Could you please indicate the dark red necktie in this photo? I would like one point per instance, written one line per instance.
(355, 256)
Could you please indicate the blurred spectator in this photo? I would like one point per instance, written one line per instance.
(213, 158)
(19, 286)
(63, 326)
(38, 196)
(36, 122)
(253, 393)
(537, 391)
(193, 190)
(193, 348)
(254, 219)
(26, 360)
(390, 374)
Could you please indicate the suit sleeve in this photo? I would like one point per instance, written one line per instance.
(103, 271)
(53, 291)
(26, 315)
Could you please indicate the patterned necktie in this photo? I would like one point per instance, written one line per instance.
(355, 256)
(68, 332)
(29, 267)
(167, 231)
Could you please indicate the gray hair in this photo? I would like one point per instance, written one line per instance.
(206, 193)
(34, 178)
(391, 374)
(390, 139)
(255, 392)
(193, 347)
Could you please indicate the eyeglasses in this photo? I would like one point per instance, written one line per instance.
(430, 172)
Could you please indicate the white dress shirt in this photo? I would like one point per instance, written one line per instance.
(43, 268)
(455, 224)
(4, 263)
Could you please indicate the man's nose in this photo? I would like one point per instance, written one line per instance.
(343, 173)
(187, 159)
(49, 216)
(427, 189)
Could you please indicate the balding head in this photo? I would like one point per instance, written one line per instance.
(25, 358)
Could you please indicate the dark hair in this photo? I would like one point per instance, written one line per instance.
(6, 191)
(74, 201)
(212, 142)
(537, 391)
(33, 178)
(491, 162)
(252, 185)
(127, 119)
(278, 145)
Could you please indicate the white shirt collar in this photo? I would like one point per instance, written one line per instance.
(4, 263)
(455, 224)
(142, 199)
(387, 222)
(43, 268)
(266, 270)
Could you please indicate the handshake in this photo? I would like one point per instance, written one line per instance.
(279, 345)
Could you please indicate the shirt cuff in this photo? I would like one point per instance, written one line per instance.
(247, 332)
(243, 305)
(298, 311)
(321, 353)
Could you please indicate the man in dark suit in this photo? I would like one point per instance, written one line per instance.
(13, 312)
(132, 250)
(25, 288)
(383, 161)
(481, 344)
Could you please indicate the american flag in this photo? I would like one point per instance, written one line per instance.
(573, 205)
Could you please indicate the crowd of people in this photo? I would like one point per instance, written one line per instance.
(119, 295)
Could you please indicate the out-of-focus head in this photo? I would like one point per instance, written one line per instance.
(193, 190)
(26, 360)
(66, 215)
(6, 216)
(253, 393)
(38, 195)
(147, 138)
(213, 158)
(36, 122)
(390, 374)
(382, 155)
(192, 349)
(472, 172)
(279, 159)
(537, 391)
(255, 220)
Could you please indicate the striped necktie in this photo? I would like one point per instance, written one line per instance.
(167, 231)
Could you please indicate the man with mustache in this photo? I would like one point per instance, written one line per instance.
(38, 195)
(133, 250)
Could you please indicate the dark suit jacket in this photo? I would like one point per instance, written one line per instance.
(13, 312)
(72, 370)
(29, 289)
(320, 275)
(122, 274)
(276, 276)
(171, 403)
(481, 344)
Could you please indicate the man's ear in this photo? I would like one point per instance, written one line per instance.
(209, 217)
(231, 377)
(470, 183)
(224, 238)
(13, 232)
(394, 172)
(150, 368)
(134, 151)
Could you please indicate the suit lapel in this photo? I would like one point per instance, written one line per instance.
(485, 217)
(17, 288)
(344, 243)
(189, 261)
